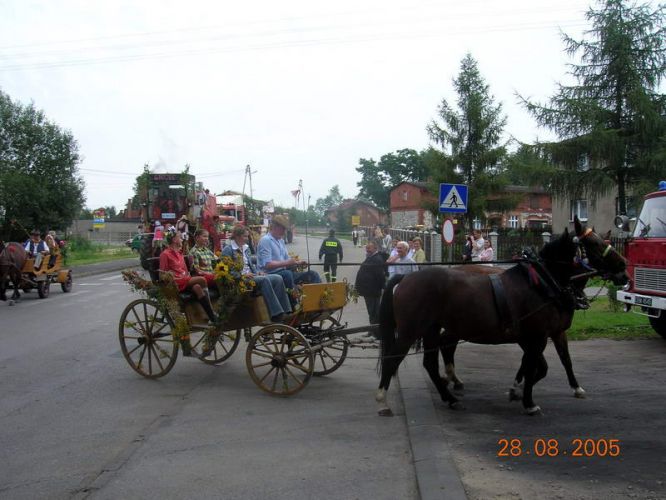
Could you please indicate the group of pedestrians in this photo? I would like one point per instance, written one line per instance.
(477, 249)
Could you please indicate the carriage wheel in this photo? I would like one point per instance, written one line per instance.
(279, 360)
(224, 345)
(67, 285)
(146, 339)
(43, 288)
(330, 358)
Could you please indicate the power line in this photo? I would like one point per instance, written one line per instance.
(346, 16)
(277, 45)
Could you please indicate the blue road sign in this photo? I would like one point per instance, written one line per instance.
(453, 198)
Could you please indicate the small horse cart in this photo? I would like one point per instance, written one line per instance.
(49, 271)
(280, 357)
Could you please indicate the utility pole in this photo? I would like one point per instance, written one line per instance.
(248, 176)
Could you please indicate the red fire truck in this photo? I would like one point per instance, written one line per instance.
(645, 251)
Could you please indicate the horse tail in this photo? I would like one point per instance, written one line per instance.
(387, 321)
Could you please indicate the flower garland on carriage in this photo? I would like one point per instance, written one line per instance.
(232, 286)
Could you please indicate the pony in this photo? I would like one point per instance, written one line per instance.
(525, 304)
(12, 258)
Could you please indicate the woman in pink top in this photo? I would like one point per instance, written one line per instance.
(487, 254)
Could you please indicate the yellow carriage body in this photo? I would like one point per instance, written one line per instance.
(324, 297)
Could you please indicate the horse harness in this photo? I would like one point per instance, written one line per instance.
(508, 322)
(538, 277)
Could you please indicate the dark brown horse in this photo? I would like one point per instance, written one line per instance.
(559, 340)
(531, 302)
(12, 258)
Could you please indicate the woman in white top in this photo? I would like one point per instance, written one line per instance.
(477, 245)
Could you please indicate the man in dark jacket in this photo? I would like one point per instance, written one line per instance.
(370, 281)
(331, 248)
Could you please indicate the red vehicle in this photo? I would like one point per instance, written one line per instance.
(645, 252)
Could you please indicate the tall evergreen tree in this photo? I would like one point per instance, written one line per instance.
(470, 136)
(611, 122)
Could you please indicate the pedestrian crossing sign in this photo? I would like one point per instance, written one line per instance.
(453, 198)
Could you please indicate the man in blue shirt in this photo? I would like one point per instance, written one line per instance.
(272, 256)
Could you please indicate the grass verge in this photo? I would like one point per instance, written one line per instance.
(601, 322)
(96, 254)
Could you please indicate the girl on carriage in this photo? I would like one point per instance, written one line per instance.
(172, 262)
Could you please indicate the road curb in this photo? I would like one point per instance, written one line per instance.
(436, 474)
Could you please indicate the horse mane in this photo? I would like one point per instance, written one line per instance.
(559, 248)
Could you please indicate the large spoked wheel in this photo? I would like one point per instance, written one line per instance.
(330, 357)
(67, 284)
(279, 360)
(146, 340)
(213, 349)
(43, 288)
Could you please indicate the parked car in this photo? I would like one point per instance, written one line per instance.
(134, 243)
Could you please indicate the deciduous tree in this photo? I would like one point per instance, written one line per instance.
(40, 184)
(378, 178)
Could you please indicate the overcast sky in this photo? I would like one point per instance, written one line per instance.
(296, 89)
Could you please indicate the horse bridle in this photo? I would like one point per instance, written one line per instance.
(581, 255)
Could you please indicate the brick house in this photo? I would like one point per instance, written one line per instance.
(533, 211)
(369, 214)
(407, 202)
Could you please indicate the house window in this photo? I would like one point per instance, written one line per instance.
(513, 222)
(404, 195)
(579, 208)
(477, 223)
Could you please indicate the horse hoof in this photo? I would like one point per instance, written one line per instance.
(457, 405)
(385, 412)
(11, 302)
(534, 410)
(580, 393)
(515, 394)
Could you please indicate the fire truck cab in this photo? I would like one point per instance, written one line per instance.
(645, 251)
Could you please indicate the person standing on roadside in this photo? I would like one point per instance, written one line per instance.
(370, 281)
(419, 255)
(478, 243)
(354, 236)
(331, 249)
(401, 258)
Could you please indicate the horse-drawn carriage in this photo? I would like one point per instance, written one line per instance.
(20, 271)
(49, 271)
(280, 357)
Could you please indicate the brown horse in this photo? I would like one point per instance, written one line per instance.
(559, 340)
(527, 304)
(12, 258)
